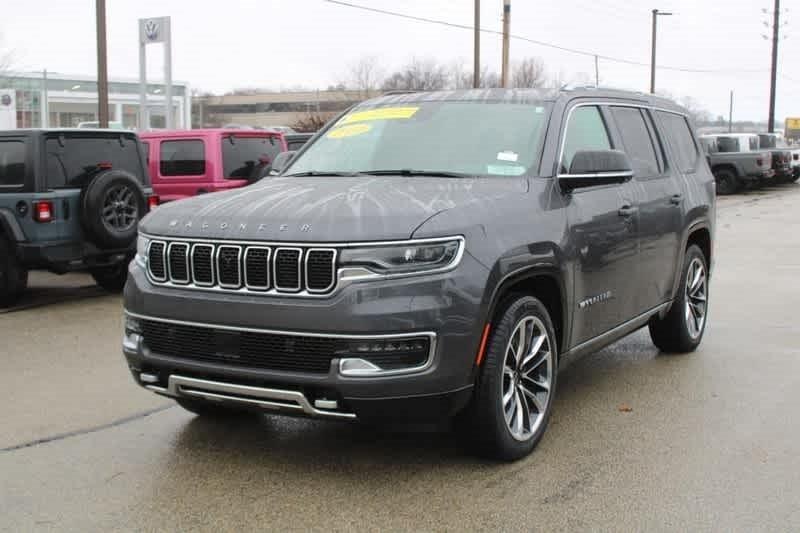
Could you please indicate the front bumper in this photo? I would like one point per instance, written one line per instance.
(447, 305)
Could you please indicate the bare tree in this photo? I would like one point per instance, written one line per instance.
(6, 59)
(312, 122)
(529, 74)
(418, 75)
(365, 76)
(461, 77)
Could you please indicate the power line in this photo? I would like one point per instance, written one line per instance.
(542, 43)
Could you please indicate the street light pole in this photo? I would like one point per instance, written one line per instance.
(774, 68)
(506, 38)
(656, 14)
(476, 67)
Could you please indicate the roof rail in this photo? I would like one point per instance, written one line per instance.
(399, 91)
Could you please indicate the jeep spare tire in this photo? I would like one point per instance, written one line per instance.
(112, 203)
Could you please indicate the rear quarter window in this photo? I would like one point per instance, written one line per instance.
(73, 160)
(183, 158)
(681, 141)
(12, 163)
(248, 157)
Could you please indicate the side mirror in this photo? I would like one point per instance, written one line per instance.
(596, 167)
(281, 161)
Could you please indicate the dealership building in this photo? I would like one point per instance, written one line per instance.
(50, 100)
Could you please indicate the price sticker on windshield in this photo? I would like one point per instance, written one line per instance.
(383, 113)
(350, 130)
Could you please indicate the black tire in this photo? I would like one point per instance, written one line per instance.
(211, 410)
(112, 203)
(484, 421)
(674, 333)
(13, 277)
(111, 278)
(727, 182)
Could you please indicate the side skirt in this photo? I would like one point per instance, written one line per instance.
(611, 336)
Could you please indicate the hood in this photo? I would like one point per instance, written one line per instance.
(324, 209)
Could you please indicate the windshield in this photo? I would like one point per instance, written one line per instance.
(452, 137)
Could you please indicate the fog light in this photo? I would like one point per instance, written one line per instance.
(132, 326)
(381, 356)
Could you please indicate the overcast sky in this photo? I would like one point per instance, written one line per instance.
(221, 45)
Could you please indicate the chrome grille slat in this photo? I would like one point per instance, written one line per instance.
(268, 269)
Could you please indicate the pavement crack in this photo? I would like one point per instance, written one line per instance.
(85, 431)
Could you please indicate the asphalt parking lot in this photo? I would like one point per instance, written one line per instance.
(638, 441)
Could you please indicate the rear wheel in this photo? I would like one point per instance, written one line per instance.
(111, 278)
(207, 409)
(13, 277)
(681, 330)
(514, 393)
(727, 182)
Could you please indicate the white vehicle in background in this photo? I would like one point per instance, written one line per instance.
(112, 125)
(775, 141)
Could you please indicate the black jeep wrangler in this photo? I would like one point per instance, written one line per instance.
(69, 200)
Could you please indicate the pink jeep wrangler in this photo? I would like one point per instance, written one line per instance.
(184, 163)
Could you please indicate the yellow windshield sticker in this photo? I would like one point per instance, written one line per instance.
(383, 113)
(350, 130)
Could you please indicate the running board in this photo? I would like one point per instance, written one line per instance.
(287, 401)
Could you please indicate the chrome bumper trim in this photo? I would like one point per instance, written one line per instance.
(274, 399)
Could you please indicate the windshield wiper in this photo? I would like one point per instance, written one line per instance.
(323, 173)
(415, 172)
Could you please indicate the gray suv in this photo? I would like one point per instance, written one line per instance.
(431, 256)
(69, 200)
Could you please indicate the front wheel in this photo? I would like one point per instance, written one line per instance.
(681, 330)
(514, 393)
(111, 278)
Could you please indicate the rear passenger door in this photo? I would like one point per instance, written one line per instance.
(182, 169)
(602, 233)
(658, 192)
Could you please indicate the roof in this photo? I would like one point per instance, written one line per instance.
(66, 130)
(524, 96)
(208, 131)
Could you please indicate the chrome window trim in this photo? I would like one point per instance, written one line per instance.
(611, 101)
(163, 261)
(172, 278)
(239, 264)
(212, 264)
(299, 286)
(431, 335)
(333, 269)
(247, 284)
(345, 277)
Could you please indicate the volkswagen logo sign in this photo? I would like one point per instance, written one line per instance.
(151, 30)
(5, 99)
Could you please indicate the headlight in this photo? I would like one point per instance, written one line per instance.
(141, 250)
(408, 257)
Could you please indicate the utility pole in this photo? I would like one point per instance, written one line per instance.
(656, 14)
(102, 65)
(774, 73)
(476, 67)
(730, 115)
(506, 29)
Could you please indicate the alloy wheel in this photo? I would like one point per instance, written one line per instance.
(527, 377)
(696, 297)
(120, 208)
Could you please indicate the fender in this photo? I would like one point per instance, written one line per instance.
(691, 228)
(10, 225)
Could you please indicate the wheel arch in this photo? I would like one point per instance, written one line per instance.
(725, 166)
(9, 227)
(544, 282)
(699, 232)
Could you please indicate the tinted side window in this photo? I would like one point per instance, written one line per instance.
(680, 139)
(636, 138)
(586, 130)
(12, 163)
(754, 144)
(248, 157)
(73, 160)
(295, 145)
(183, 158)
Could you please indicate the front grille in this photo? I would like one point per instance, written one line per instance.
(256, 350)
(155, 261)
(241, 267)
(179, 262)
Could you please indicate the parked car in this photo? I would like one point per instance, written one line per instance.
(295, 141)
(379, 283)
(737, 161)
(185, 163)
(69, 200)
(785, 159)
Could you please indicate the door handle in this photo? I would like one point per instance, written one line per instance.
(676, 199)
(627, 211)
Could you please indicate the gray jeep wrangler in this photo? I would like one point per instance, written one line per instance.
(69, 200)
